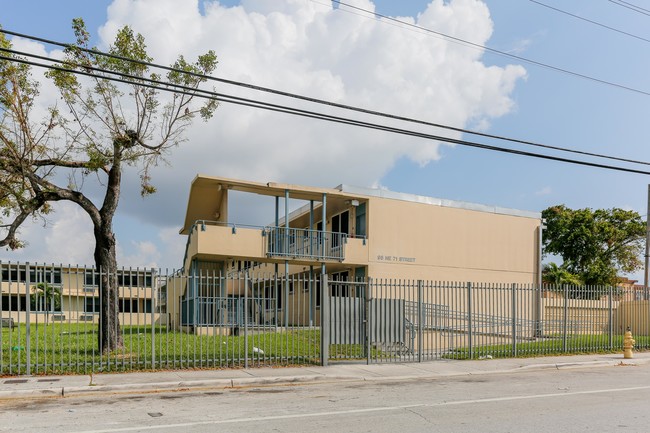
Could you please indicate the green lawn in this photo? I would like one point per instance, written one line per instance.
(578, 344)
(72, 348)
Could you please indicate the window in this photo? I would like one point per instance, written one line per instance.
(13, 275)
(13, 303)
(126, 280)
(268, 296)
(339, 286)
(128, 305)
(91, 305)
(340, 224)
(91, 278)
(52, 276)
(360, 220)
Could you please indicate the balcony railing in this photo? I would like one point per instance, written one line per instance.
(305, 244)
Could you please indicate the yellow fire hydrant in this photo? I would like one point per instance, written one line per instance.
(628, 344)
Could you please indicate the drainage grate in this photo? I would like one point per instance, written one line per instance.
(10, 381)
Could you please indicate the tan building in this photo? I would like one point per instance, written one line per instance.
(366, 233)
(50, 293)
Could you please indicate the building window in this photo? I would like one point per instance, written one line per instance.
(13, 303)
(317, 293)
(128, 305)
(91, 305)
(340, 224)
(127, 280)
(339, 285)
(91, 278)
(360, 220)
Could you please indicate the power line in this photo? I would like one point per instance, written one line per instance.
(171, 87)
(631, 6)
(322, 102)
(499, 52)
(590, 21)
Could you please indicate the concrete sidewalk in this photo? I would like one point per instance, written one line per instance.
(31, 387)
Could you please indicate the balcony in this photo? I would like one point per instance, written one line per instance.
(225, 240)
(282, 242)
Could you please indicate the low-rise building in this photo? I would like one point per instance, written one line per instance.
(51, 293)
(347, 233)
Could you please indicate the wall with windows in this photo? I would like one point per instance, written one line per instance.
(55, 293)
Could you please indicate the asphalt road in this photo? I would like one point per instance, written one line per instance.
(606, 399)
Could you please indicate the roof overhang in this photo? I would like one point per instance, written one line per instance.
(207, 194)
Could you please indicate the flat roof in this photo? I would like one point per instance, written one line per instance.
(385, 193)
(206, 195)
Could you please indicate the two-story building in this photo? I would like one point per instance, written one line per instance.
(348, 233)
(55, 293)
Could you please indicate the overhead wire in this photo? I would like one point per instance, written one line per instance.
(631, 6)
(590, 21)
(499, 52)
(323, 102)
(181, 89)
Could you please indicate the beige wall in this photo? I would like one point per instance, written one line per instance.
(583, 316)
(422, 241)
(635, 314)
(75, 317)
(219, 242)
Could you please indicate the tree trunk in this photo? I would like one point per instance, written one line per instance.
(110, 333)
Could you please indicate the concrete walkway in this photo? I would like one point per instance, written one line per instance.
(31, 387)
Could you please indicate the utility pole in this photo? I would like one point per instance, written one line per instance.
(647, 244)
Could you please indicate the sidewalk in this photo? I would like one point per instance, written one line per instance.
(31, 387)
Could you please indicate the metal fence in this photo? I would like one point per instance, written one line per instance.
(304, 243)
(49, 319)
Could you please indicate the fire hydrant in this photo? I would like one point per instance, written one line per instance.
(628, 344)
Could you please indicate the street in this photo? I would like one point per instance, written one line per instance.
(604, 399)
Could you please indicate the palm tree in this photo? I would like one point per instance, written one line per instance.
(47, 297)
(558, 275)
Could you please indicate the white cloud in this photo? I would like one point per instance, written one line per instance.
(67, 238)
(544, 191)
(312, 49)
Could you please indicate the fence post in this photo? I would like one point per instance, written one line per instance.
(565, 318)
(420, 320)
(246, 318)
(153, 316)
(324, 321)
(28, 311)
(368, 314)
(611, 316)
(514, 320)
(469, 320)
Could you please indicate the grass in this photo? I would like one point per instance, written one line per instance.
(62, 348)
(575, 344)
(72, 348)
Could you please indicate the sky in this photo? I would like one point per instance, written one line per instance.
(317, 49)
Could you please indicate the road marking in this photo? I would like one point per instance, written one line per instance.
(366, 410)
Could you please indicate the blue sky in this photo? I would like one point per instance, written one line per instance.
(547, 107)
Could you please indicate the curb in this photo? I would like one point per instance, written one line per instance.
(180, 386)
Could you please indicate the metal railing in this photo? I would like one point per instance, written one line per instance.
(175, 320)
(305, 244)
